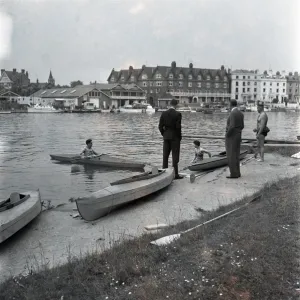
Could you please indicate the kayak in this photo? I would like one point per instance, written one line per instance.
(17, 211)
(213, 162)
(99, 160)
(123, 191)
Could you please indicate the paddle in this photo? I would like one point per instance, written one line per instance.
(170, 238)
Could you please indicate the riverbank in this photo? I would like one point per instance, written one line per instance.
(250, 254)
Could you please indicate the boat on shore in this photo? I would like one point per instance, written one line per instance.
(104, 160)
(17, 211)
(102, 202)
(38, 108)
(184, 109)
(214, 162)
(5, 112)
(85, 111)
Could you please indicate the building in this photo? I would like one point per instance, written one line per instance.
(273, 87)
(185, 83)
(245, 85)
(293, 88)
(12, 78)
(103, 95)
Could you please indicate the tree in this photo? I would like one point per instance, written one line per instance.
(74, 83)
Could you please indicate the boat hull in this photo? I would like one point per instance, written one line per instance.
(102, 202)
(43, 111)
(4, 112)
(213, 162)
(14, 219)
(103, 160)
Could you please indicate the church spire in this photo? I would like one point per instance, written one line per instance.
(51, 80)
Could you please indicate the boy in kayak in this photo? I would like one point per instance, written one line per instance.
(199, 152)
(88, 151)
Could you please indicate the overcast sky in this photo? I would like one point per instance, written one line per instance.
(85, 39)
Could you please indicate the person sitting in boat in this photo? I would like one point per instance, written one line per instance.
(199, 152)
(88, 151)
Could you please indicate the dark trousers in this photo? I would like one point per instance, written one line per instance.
(233, 146)
(174, 146)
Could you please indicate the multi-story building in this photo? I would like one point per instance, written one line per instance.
(273, 87)
(194, 84)
(8, 79)
(245, 85)
(293, 87)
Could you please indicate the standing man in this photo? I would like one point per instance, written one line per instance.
(233, 138)
(261, 131)
(170, 128)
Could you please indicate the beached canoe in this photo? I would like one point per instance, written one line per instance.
(100, 203)
(100, 160)
(213, 162)
(17, 211)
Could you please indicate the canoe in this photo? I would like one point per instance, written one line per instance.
(104, 160)
(214, 162)
(17, 211)
(100, 203)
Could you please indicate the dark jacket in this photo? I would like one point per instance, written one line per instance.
(235, 123)
(170, 124)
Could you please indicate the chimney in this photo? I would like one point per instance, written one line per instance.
(2, 71)
(23, 71)
(14, 71)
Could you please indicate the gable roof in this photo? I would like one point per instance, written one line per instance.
(16, 76)
(8, 93)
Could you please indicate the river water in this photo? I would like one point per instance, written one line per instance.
(26, 140)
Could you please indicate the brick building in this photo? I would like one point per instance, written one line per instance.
(8, 79)
(188, 84)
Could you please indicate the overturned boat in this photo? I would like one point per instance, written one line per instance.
(17, 211)
(214, 162)
(123, 191)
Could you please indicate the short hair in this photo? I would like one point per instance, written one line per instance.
(88, 141)
(233, 102)
(197, 143)
(260, 103)
(174, 102)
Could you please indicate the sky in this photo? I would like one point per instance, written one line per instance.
(85, 39)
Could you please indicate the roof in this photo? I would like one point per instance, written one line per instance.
(17, 76)
(165, 71)
(8, 92)
(243, 71)
(128, 87)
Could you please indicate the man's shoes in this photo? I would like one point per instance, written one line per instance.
(232, 177)
(178, 177)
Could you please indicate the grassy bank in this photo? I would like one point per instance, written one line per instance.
(251, 254)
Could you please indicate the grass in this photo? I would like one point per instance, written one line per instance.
(251, 254)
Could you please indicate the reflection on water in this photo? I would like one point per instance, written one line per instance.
(26, 141)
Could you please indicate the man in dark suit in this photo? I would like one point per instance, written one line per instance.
(235, 125)
(170, 128)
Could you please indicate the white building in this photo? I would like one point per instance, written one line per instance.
(273, 86)
(245, 85)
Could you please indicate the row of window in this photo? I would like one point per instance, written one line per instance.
(171, 76)
(190, 84)
(255, 83)
(255, 90)
(244, 77)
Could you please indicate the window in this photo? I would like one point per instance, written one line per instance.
(244, 77)
(208, 85)
(180, 83)
(248, 77)
(144, 83)
(255, 89)
(217, 78)
(277, 84)
(122, 78)
(270, 83)
(112, 79)
(283, 90)
(132, 78)
(270, 90)
(199, 84)
(158, 76)
(171, 76)
(296, 91)
(170, 83)
(255, 96)
(180, 76)
(43, 92)
(190, 77)
(255, 83)
(199, 77)
(53, 91)
(158, 83)
(216, 85)
(236, 90)
(207, 77)
(254, 77)
(225, 78)
(72, 91)
(236, 97)
(237, 84)
(190, 84)
(264, 83)
(244, 83)
(237, 77)
(151, 91)
(225, 85)
(62, 91)
(290, 84)
(144, 76)
(284, 84)
(150, 83)
(290, 90)
(248, 83)
(277, 91)
(248, 89)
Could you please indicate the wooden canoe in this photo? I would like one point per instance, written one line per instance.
(18, 211)
(213, 162)
(104, 160)
(100, 203)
